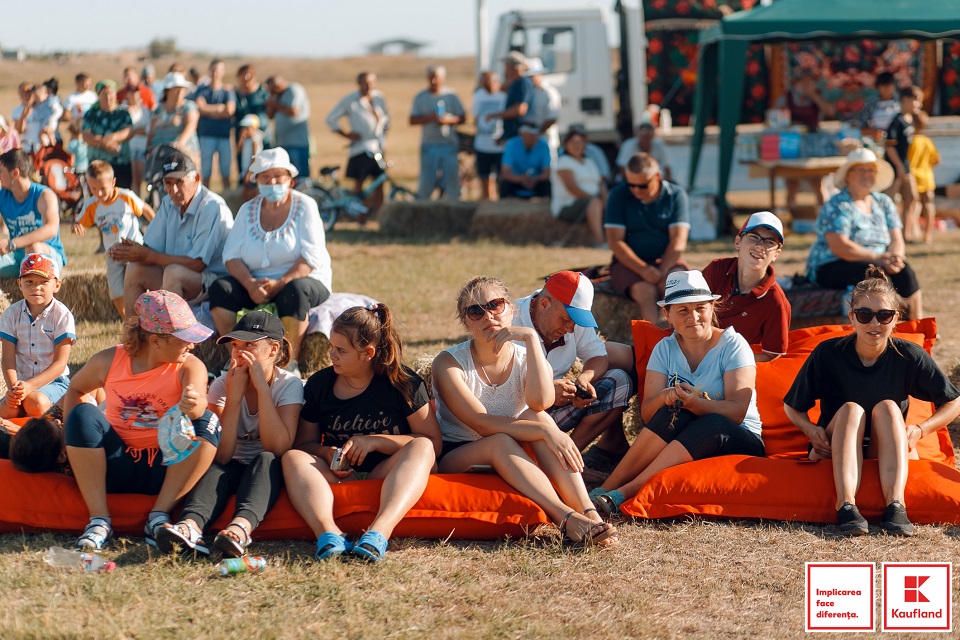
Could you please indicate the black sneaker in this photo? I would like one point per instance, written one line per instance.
(850, 522)
(895, 522)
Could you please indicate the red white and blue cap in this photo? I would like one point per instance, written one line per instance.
(575, 292)
(763, 219)
(686, 286)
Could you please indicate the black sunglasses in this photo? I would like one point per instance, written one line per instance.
(866, 316)
(638, 185)
(477, 311)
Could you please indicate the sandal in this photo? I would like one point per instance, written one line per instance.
(154, 524)
(330, 545)
(231, 545)
(607, 502)
(371, 546)
(95, 536)
(184, 534)
(600, 533)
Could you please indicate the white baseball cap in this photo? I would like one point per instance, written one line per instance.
(763, 219)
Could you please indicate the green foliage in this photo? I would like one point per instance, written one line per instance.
(160, 47)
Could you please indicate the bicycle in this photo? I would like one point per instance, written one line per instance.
(335, 201)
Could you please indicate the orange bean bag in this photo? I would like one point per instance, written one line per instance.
(785, 485)
(467, 506)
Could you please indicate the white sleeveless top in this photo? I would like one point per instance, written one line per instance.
(507, 399)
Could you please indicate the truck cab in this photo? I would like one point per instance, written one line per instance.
(598, 93)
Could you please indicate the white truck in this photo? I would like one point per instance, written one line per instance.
(604, 96)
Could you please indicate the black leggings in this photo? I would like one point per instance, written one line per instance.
(256, 485)
(294, 301)
(841, 274)
(705, 436)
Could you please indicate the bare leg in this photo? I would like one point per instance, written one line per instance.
(375, 201)
(890, 433)
(223, 319)
(308, 481)
(595, 221)
(846, 439)
(182, 476)
(90, 472)
(600, 423)
(137, 279)
(405, 476)
(672, 455)
(929, 213)
(645, 295)
(915, 303)
(182, 281)
(36, 404)
(295, 330)
(513, 464)
(642, 452)
(118, 304)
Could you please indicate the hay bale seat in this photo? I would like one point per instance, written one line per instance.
(515, 221)
(84, 292)
(426, 219)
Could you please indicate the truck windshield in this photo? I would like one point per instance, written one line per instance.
(554, 45)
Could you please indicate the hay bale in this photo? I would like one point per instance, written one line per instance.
(314, 354)
(615, 315)
(423, 366)
(84, 292)
(525, 222)
(429, 219)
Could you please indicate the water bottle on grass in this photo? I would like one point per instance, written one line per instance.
(233, 566)
(67, 559)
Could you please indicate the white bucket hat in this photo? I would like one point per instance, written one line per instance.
(535, 67)
(276, 158)
(865, 156)
(686, 286)
(175, 79)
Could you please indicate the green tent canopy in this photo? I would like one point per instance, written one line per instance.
(723, 51)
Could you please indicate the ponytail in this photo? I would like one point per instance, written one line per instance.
(376, 327)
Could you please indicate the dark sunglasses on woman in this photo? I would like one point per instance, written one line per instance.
(477, 311)
(866, 316)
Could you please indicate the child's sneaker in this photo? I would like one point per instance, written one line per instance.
(850, 522)
(895, 521)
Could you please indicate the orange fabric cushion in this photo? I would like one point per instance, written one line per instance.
(780, 486)
(468, 506)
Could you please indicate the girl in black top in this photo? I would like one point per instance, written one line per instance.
(863, 382)
(377, 412)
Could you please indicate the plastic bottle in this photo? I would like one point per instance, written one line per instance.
(67, 559)
(666, 121)
(233, 566)
(441, 108)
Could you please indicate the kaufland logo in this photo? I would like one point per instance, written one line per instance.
(917, 596)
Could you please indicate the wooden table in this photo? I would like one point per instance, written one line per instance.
(800, 168)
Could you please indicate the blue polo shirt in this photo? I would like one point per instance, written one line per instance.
(520, 90)
(522, 161)
(647, 225)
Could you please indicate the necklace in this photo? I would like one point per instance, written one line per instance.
(361, 387)
(484, 377)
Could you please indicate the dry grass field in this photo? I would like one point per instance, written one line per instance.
(684, 579)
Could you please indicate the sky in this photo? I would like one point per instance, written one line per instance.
(299, 28)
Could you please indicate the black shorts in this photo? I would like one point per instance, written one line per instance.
(363, 166)
(576, 211)
(294, 301)
(449, 446)
(705, 436)
(841, 274)
(488, 164)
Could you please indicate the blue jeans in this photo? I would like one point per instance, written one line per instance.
(221, 147)
(442, 159)
(300, 158)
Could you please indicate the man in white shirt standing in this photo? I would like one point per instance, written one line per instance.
(546, 106)
(366, 112)
(80, 100)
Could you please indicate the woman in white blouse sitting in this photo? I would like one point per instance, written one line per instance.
(276, 252)
(578, 190)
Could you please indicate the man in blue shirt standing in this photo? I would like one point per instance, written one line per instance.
(519, 96)
(216, 104)
(647, 223)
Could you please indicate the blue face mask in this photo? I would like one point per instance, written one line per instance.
(273, 192)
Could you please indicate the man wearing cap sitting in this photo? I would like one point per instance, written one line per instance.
(182, 249)
(647, 224)
(560, 313)
(751, 301)
(525, 165)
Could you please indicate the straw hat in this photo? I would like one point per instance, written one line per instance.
(865, 156)
(687, 286)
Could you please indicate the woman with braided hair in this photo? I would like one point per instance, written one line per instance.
(366, 416)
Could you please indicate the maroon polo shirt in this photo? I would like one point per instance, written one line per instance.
(761, 316)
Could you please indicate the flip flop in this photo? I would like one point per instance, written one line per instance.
(598, 534)
(371, 546)
(330, 545)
